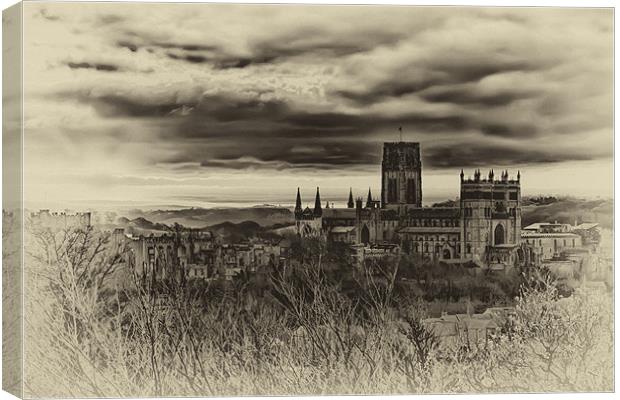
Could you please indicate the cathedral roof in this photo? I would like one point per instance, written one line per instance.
(339, 213)
(430, 229)
(434, 212)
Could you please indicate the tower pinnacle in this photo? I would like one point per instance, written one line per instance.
(318, 210)
(298, 208)
(350, 203)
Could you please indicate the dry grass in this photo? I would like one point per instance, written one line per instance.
(85, 337)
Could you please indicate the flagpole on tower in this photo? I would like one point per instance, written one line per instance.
(400, 129)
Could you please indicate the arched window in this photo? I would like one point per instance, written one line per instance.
(500, 237)
(469, 249)
(365, 235)
(426, 247)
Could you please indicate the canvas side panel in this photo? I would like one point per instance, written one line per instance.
(12, 200)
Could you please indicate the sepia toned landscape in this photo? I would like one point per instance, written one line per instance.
(228, 200)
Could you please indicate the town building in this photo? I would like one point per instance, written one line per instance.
(546, 245)
(196, 254)
(469, 330)
(233, 259)
(485, 227)
(190, 252)
(57, 221)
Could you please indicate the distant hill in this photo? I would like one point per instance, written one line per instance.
(562, 209)
(137, 226)
(231, 232)
(239, 224)
(227, 231)
(201, 217)
(567, 210)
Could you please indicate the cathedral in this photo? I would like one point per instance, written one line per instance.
(483, 230)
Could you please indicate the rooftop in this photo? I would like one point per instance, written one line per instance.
(587, 225)
(339, 213)
(433, 212)
(530, 234)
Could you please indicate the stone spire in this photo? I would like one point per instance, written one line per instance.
(350, 204)
(318, 210)
(298, 208)
(327, 204)
(369, 199)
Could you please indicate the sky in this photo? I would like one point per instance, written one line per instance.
(194, 104)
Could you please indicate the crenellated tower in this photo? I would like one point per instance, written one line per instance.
(491, 213)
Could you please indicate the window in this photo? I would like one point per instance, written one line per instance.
(392, 196)
(426, 247)
(411, 191)
(469, 249)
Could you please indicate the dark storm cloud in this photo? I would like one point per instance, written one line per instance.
(417, 77)
(328, 94)
(128, 45)
(95, 66)
(303, 42)
(186, 46)
(108, 19)
(282, 154)
(245, 131)
(464, 155)
(509, 131)
(118, 106)
(467, 95)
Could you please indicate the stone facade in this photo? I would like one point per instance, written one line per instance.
(484, 228)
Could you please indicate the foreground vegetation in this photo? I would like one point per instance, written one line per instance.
(88, 335)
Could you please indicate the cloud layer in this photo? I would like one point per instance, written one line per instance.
(176, 90)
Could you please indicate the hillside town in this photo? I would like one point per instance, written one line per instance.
(483, 234)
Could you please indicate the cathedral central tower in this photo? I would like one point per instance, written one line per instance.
(401, 175)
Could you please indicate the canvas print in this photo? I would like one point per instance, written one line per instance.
(220, 199)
